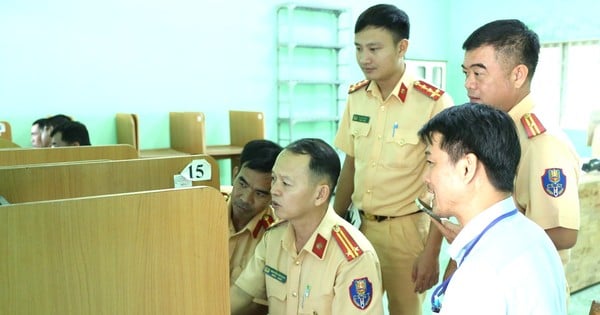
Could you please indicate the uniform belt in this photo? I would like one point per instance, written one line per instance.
(379, 218)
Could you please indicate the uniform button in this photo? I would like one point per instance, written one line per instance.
(382, 108)
(297, 262)
(379, 137)
(294, 294)
(402, 142)
(368, 191)
(373, 164)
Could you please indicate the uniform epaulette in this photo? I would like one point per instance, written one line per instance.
(532, 125)
(346, 242)
(356, 86)
(264, 223)
(430, 90)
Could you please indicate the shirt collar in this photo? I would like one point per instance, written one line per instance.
(404, 82)
(251, 225)
(525, 106)
(476, 226)
(323, 231)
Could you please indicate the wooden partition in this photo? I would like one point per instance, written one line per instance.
(159, 252)
(66, 154)
(127, 130)
(186, 134)
(584, 268)
(243, 127)
(5, 130)
(4, 143)
(26, 183)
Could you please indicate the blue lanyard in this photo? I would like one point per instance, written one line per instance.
(436, 297)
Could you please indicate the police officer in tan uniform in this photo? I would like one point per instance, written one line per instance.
(499, 63)
(249, 209)
(313, 262)
(385, 160)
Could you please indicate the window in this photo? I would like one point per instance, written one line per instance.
(431, 71)
(566, 82)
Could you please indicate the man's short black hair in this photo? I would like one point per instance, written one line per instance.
(511, 39)
(386, 16)
(71, 132)
(487, 132)
(260, 155)
(324, 161)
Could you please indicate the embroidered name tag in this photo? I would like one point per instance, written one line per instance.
(275, 274)
(361, 118)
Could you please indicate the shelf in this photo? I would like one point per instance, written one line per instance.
(306, 119)
(309, 71)
(318, 8)
(310, 82)
(310, 46)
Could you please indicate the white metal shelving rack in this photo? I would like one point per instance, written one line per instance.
(310, 75)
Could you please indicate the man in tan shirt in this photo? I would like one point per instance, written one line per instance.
(499, 64)
(249, 209)
(313, 262)
(384, 163)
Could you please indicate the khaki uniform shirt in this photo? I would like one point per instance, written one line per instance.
(243, 242)
(546, 186)
(319, 278)
(381, 135)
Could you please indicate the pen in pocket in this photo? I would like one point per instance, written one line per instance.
(306, 294)
(394, 127)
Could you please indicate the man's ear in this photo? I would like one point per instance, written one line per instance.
(469, 166)
(234, 172)
(402, 47)
(322, 194)
(519, 75)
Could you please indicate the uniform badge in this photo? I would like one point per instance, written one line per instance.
(319, 246)
(430, 90)
(356, 86)
(275, 274)
(361, 118)
(361, 292)
(264, 223)
(402, 92)
(532, 125)
(346, 242)
(554, 182)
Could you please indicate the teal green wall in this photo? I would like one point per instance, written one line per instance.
(92, 59)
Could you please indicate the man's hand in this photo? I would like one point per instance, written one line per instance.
(448, 229)
(426, 270)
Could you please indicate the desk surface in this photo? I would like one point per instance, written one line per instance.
(224, 151)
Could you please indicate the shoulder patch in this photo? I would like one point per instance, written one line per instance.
(430, 90)
(346, 242)
(356, 86)
(532, 125)
(264, 223)
(554, 182)
(361, 292)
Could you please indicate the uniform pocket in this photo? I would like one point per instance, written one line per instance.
(402, 149)
(360, 131)
(316, 302)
